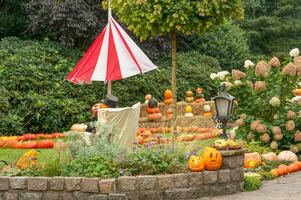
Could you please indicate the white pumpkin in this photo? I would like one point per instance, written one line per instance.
(188, 115)
(287, 156)
(78, 127)
(207, 108)
(271, 156)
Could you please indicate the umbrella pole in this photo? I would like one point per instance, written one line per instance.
(109, 87)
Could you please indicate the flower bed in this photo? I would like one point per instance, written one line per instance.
(227, 180)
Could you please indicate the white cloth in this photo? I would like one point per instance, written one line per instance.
(126, 119)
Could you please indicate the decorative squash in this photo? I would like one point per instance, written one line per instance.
(154, 117)
(207, 108)
(28, 159)
(189, 93)
(188, 109)
(168, 101)
(168, 94)
(148, 97)
(188, 115)
(153, 103)
(196, 164)
(283, 169)
(287, 156)
(274, 172)
(78, 127)
(29, 136)
(213, 159)
(189, 99)
(252, 160)
(152, 110)
(207, 114)
(199, 90)
(139, 140)
(271, 156)
(44, 144)
(294, 167)
(299, 164)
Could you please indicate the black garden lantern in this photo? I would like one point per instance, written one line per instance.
(223, 107)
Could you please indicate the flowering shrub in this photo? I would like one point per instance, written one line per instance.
(266, 109)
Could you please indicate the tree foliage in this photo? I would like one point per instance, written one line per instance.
(151, 18)
(273, 27)
(227, 44)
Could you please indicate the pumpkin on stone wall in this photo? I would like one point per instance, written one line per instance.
(213, 159)
(196, 164)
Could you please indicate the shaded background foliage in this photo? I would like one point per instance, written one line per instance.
(34, 96)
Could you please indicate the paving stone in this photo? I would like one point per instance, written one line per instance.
(107, 186)
(196, 179)
(210, 177)
(4, 183)
(90, 185)
(165, 182)
(224, 176)
(30, 196)
(72, 184)
(126, 183)
(146, 182)
(117, 197)
(50, 196)
(17, 182)
(56, 183)
(10, 196)
(37, 184)
(180, 180)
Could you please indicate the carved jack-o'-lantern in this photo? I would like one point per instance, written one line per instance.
(213, 159)
(196, 164)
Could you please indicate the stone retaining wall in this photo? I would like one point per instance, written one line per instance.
(228, 180)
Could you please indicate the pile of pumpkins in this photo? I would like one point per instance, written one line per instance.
(211, 160)
(26, 141)
(152, 110)
(282, 170)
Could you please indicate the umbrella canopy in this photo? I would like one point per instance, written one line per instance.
(112, 56)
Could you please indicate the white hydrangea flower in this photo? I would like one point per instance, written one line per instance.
(275, 102)
(294, 52)
(228, 84)
(213, 76)
(248, 64)
(299, 83)
(222, 75)
(296, 99)
(238, 83)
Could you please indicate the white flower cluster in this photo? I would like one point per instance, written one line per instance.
(294, 52)
(248, 64)
(220, 75)
(275, 102)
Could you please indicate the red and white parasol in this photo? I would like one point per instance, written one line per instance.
(112, 56)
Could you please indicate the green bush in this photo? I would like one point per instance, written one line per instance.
(227, 44)
(35, 98)
(252, 183)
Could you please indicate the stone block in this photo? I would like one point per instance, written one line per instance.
(180, 180)
(78, 195)
(165, 182)
(217, 189)
(237, 174)
(56, 183)
(18, 183)
(51, 196)
(151, 194)
(117, 197)
(240, 161)
(30, 196)
(37, 184)
(4, 183)
(224, 176)
(99, 197)
(66, 196)
(210, 177)
(107, 186)
(72, 184)
(90, 185)
(146, 182)
(231, 188)
(10, 196)
(230, 163)
(179, 193)
(196, 179)
(126, 183)
(200, 191)
(241, 187)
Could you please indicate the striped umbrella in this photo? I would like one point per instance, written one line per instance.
(112, 56)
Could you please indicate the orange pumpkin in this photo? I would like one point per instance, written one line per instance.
(148, 97)
(168, 94)
(168, 101)
(294, 167)
(274, 172)
(207, 114)
(284, 169)
(152, 110)
(299, 164)
(139, 140)
(189, 93)
(45, 144)
(196, 164)
(213, 159)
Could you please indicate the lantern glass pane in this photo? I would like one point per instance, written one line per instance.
(222, 107)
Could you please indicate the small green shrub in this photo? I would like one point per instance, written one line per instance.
(252, 183)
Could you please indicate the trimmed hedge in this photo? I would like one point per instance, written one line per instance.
(35, 98)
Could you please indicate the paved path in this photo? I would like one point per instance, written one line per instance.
(284, 188)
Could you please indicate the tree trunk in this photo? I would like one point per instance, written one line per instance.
(174, 80)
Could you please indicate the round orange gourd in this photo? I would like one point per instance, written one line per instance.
(274, 172)
(139, 140)
(294, 167)
(196, 164)
(168, 101)
(299, 164)
(213, 159)
(284, 169)
(168, 94)
(43, 144)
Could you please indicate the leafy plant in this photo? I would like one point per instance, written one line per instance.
(252, 183)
